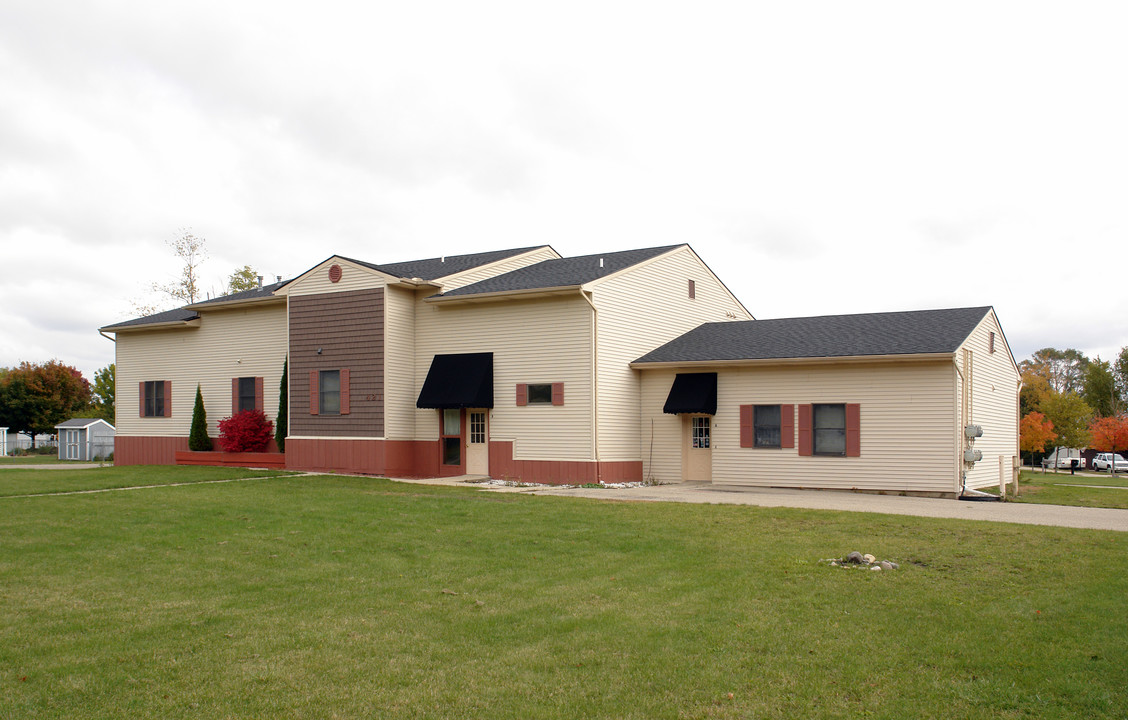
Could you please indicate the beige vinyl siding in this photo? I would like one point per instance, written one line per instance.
(994, 399)
(533, 341)
(469, 277)
(353, 277)
(240, 342)
(639, 310)
(399, 364)
(907, 412)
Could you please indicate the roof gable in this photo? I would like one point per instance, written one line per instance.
(917, 332)
(560, 272)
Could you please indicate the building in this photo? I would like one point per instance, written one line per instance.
(877, 402)
(85, 439)
(521, 364)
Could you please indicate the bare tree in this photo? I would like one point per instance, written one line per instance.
(192, 251)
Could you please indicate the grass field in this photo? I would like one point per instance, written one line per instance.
(321, 597)
(1065, 489)
(32, 460)
(16, 481)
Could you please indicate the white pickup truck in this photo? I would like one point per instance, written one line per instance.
(1063, 458)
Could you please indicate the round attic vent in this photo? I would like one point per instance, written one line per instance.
(335, 273)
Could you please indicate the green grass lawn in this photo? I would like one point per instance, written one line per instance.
(321, 597)
(15, 481)
(33, 460)
(1065, 489)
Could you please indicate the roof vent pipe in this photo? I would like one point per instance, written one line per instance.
(600, 262)
(260, 280)
(442, 259)
(277, 278)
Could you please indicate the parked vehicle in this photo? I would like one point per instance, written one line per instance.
(1105, 460)
(1063, 459)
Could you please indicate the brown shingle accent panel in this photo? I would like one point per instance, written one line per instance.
(348, 328)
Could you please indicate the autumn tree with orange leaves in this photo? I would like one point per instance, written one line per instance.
(1034, 433)
(1109, 434)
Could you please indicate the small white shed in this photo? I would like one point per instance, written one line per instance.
(85, 439)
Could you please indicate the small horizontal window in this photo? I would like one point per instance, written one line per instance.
(540, 394)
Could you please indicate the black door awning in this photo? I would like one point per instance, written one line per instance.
(458, 381)
(692, 393)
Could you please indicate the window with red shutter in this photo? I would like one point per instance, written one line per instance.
(787, 426)
(805, 430)
(747, 431)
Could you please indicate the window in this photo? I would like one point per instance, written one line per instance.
(540, 394)
(477, 428)
(329, 392)
(247, 397)
(829, 429)
(700, 435)
(766, 425)
(154, 400)
(452, 436)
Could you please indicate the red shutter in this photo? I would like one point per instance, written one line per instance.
(853, 430)
(787, 426)
(314, 398)
(522, 394)
(258, 395)
(142, 394)
(805, 445)
(344, 391)
(234, 396)
(747, 431)
(168, 398)
(557, 393)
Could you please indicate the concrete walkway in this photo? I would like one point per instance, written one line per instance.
(1012, 512)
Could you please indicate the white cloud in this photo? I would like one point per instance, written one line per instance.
(821, 157)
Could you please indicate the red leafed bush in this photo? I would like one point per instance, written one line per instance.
(247, 431)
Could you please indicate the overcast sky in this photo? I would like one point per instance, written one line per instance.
(822, 157)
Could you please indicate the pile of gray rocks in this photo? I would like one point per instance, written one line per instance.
(857, 560)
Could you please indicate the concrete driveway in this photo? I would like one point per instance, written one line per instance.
(1012, 512)
(1024, 513)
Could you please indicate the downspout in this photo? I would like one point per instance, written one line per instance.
(963, 423)
(594, 384)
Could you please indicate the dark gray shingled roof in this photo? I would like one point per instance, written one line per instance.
(184, 313)
(428, 269)
(433, 268)
(246, 294)
(177, 315)
(890, 333)
(78, 423)
(562, 272)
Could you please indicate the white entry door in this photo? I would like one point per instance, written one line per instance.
(477, 442)
(697, 448)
